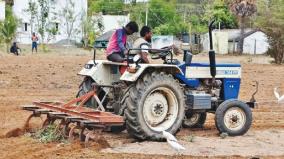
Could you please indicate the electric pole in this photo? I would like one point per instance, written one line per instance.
(147, 10)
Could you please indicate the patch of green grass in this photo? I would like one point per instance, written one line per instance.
(191, 138)
(50, 134)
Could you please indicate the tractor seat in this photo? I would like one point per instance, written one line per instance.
(106, 62)
(130, 60)
(116, 66)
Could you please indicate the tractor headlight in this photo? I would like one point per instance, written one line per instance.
(88, 66)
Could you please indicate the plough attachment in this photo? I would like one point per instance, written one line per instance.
(75, 117)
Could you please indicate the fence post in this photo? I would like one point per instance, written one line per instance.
(254, 46)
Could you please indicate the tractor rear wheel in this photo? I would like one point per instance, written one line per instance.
(156, 103)
(194, 120)
(233, 117)
(85, 87)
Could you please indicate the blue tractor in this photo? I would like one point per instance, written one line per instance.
(166, 97)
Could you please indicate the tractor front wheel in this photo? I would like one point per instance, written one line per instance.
(155, 104)
(194, 120)
(233, 117)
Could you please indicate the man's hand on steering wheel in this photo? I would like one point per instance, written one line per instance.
(162, 54)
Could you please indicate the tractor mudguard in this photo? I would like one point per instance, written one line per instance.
(88, 69)
(102, 72)
(132, 77)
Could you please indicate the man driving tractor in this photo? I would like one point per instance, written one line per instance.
(144, 42)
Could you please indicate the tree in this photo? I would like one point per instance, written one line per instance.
(42, 18)
(218, 10)
(69, 17)
(112, 7)
(271, 20)
(162, 17)
(32, 10)
(90, 24)
(8, 27)
(162, 13)
(243, 9)
(9, 2)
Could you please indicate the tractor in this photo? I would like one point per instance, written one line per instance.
(153, 98)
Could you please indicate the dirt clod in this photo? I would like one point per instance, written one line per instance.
(14, 133)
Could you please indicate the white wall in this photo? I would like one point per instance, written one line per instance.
(220, 42)
(232, 48)
(111, 22)
(220, 46)
(57, 6)
(2, 10)
(256, 43)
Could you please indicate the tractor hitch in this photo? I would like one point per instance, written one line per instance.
(252, 103)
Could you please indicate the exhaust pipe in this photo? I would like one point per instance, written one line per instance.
(94, 58)
(212, 58)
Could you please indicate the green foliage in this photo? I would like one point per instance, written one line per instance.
(218, 10)
(90, 24)
(138, 13)
(161, 12)
(171, 29)
(112, 7)
(162, 17)
(50, 134)
(172, 17)
(52, 32)
(271, 20)
(91, 39)
(197, 25)
(8, 27)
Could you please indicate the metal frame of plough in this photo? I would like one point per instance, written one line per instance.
(74, 112)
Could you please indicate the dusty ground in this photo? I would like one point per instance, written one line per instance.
(52, 76)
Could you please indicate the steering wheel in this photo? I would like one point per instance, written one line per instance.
(163, 54)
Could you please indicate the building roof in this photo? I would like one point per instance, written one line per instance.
(106, 36)
(234, 34)
(102, 41)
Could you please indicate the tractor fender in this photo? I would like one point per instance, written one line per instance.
(100, 72)
(132, 77)
(88, 69)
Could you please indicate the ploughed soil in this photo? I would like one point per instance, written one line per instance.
(53, 77)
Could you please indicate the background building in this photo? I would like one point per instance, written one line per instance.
(226, 41)
(255, 42)
(111, 22)
(2, 10)
(56, 19)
